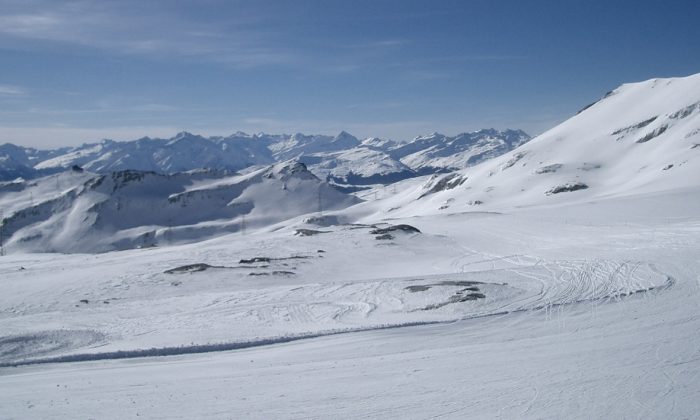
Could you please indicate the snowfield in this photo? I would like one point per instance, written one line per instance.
(507, 290)
(611, 332)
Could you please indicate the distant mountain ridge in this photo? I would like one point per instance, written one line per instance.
(342, 159)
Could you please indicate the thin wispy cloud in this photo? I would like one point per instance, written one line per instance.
(121, 28)
(369, 67)
(10, 90)
(135, 28)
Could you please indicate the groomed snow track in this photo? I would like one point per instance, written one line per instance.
(572, 287)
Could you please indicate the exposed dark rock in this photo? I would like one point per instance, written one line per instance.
(607, 95)
(359, 182)
(513, 160)
(635, 126)
(324, 221)
(254, 260)
(569, 187)
(586, 107)
(549, 168)
(447, 182)
(395, 228)
(268, 259)
(385, 236)
(190, 268)
(418, 288)
(459, 283)
(308, 232)
(653, 134)
(274, 273)
(589, 166)
(682, 113)
(456, 298)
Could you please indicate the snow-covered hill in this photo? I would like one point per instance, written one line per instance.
(641, 137)
(357, 167)
(78, 211)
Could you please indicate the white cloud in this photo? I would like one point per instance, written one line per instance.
(10, 90)
(131, 28)
(148, 29)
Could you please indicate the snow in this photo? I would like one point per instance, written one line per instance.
(466, 149)
(599, 148)
(504, 301)
(560, 340)
(369, 162)
(85, 212)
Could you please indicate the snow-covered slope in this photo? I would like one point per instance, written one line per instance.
(300, 144)
(19, 162)
(77, 211)
(574, 294)
(437, 152)
(358, 166)
(640, 137)
(377, 161)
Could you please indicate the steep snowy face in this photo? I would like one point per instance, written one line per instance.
(375, 143)
(357, 167)
(640, 137)
(377, 161)
(16, 162)
(77, 211)
(11, 168)
(437, 151)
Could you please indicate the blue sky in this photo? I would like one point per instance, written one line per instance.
(79, 71)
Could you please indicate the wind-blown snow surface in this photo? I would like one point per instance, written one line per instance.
(590, 310)
(553, 300)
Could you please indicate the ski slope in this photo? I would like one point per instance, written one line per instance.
(606, 306)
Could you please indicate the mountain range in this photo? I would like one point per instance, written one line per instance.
(639, 138)
(342, 159)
